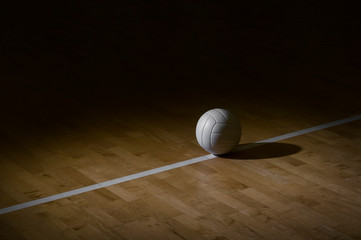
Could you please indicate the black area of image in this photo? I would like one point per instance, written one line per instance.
(131, 52)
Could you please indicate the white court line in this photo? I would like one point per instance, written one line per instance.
(167, 167)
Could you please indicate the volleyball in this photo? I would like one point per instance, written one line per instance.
(218, 131)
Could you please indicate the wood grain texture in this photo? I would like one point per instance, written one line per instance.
(313, 193)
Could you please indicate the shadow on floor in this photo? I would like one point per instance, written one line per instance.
(262, 151)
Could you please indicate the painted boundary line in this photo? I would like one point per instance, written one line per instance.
(168, 167)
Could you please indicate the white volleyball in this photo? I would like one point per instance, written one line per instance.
(218, 131)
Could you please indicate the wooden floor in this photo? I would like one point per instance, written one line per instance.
(307, 187)
(84, 101)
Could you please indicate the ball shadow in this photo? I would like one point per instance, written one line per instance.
(262, 151)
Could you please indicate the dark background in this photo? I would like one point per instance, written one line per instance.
(132, 54)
